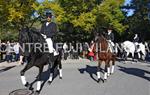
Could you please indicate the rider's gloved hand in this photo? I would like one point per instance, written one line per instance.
(109, 41)
(44, 36)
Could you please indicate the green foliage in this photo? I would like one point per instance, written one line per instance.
(85, 20)
(110, 14)
(58, 11)
(14, 14)
(138, 22)
(89, 14)
(9, 35)
(78, 16)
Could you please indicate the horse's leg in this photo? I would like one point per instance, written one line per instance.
(21, 60)
(98, 71)
(133, 59)
(126, 56)
(143, 55)
(113, 66)
(39, 80)
(23, 79)
(105, 71)
(108, 68)
(52, 72)
(60, 69)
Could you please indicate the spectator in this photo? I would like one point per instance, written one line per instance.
(9, 52)
(65, 51)
(16, 51)
(91, 51)
(85, 49)
(3, 51)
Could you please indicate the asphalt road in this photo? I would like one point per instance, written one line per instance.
(79, 78)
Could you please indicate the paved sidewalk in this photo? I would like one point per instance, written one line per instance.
(6, 64)
(79, 78)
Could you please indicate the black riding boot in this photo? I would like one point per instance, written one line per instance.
(51, 56)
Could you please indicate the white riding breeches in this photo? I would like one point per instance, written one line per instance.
(50, 45)
(112, 43)
(111, 46)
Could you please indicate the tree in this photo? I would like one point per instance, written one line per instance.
(14, 15)
(89, 14)
(93, 15)
(138, 22)
(76, 17)
(53, 6)
(110, 14)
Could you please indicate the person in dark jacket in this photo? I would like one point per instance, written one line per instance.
(136, 41)
(110, 35)
(136, 38)
(48, 31)
(110, 38)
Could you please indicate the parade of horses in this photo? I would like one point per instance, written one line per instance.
(85, 47)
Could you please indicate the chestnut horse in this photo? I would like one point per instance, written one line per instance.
(105, 55)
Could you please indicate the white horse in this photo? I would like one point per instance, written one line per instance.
(129, 47)
(142, 49)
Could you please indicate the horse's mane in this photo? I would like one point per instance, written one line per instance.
(102, 42)
(36, 36)
(101, 38)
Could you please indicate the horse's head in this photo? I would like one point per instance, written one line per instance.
(102, 41)
(99, 36)
(30, 36)
(36, 36)
(102, 37)
(24, 35)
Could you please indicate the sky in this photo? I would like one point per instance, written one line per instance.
(130, 12)
(40, 0)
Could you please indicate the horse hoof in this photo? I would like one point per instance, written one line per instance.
(31, 88)
(99, 80)
(27, 85)
(49, 82)
(111, 73)
(105, 80)
(60, 77)
(37, 93)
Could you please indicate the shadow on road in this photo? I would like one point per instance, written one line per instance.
(135, 71)
(6, 69)
(91, 70)
(44, 77)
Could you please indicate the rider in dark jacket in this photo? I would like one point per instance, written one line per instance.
(49, 30)
(110, 38)
(136, 41)
(136, 38)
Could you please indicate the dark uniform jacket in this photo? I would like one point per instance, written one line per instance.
(110, 36)
(49, 30)
(136, 39)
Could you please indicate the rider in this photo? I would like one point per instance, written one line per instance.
(135, 41)
(49, 30)
(110, 38)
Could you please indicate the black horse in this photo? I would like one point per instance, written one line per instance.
(37, 56)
